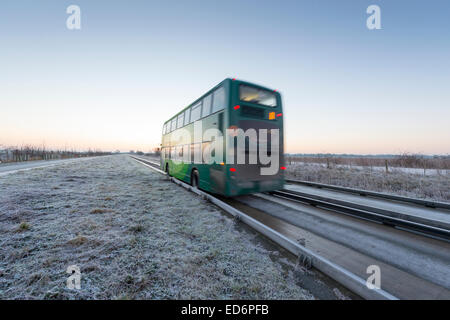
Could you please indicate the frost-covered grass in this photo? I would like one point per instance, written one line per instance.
(397, 181)
(432, 184)
(134, 235)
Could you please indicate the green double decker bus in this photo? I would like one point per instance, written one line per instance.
(229, 141)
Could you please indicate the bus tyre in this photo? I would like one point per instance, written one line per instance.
(194, 179)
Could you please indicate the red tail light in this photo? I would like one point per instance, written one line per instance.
(233, 169)
(237, 107)
(283, 168)
(279, 114)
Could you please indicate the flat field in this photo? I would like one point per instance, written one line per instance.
(134, 235)
(431, 184)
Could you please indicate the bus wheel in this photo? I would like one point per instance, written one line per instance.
(194, 178)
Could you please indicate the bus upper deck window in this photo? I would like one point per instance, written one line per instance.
(180, 121)
(173, 125)
(187, 116)
(206, 106)
(196, 112)
(218, 100)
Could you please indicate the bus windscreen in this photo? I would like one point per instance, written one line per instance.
(258, 96)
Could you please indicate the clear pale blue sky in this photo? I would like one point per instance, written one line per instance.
(135, 63)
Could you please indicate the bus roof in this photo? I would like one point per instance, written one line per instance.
(215, 87)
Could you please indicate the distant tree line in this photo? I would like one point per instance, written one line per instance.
(30, 153)
(405, 160)
(156, 152)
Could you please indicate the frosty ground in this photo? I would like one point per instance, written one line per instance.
(434, 185)
(134, 235)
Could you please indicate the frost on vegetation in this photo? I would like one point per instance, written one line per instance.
(133, 234)
(397, 181)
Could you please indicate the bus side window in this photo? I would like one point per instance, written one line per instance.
(218, 100)
(180, 152)
(221, 122)
(186, 153)
(196, 148)
(206, 106)
(173, 124)
(187, 116)
(180, 121)
(196, 112)
(206, 152)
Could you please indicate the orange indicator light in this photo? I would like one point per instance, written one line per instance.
(271, 115)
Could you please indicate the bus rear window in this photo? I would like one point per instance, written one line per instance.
(258, 96)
